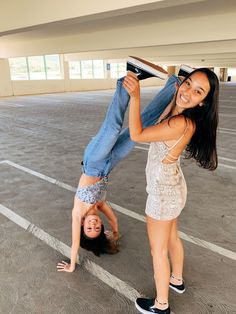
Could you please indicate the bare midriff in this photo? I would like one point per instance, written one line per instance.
(88, 180)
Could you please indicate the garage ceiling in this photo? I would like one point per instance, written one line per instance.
(167, 31)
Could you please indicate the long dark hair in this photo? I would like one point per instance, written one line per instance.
(202, 146)
(98, 245)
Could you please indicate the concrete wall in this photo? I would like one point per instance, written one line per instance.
(58, 86)
(28, 87)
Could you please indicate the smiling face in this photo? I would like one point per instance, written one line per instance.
(192, 91)
(92, 226)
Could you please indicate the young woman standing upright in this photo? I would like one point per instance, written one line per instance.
(188, 123)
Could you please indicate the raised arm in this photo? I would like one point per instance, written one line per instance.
(167, 130)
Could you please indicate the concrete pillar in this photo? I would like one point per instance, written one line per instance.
(224, 74)
(171, 70)
(65, 72)
(5, 79)
(217, 71)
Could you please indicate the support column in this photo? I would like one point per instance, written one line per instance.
(5, 79)
(217, 72)
(224, 74)
(66, 74)
(171, 70)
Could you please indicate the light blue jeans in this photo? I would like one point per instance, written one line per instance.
(112, 144)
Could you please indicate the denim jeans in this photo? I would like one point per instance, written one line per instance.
(112, 144)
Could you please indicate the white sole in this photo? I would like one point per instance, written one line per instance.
(140, 309)
(176, 290)
(186, 68)
(148, 68)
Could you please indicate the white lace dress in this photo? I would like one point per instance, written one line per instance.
(166, 186)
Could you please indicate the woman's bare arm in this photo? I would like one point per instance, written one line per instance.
(111, 217)
(78, 213)
(167, 130)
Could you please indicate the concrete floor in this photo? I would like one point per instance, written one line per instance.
(47, 134)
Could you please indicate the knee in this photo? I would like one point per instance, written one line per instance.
(174, 241)
(159, 252)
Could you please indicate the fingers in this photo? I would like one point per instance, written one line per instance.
(131, 84)
(62, 266)
(61, 269)
(131, 79)
(176, 86)
(132, 74)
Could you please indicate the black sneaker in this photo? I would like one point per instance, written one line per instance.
(146, 306)
(185, 70)
(145, 69)
(177, 288)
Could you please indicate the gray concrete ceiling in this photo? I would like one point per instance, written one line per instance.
(167, 31)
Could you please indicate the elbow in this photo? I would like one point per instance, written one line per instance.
(135, 137)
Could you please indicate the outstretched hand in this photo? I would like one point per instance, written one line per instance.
(64, 266)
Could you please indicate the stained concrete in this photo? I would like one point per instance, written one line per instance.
(48, 133)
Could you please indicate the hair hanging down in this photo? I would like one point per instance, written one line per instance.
(202, 146)
(98, 245)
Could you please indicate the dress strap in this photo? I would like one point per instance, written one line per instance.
(169, 157)
(185, 130)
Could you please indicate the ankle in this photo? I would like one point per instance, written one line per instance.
(161, 305)
(177, 280)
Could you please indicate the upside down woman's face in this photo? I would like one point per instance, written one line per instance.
(92, 226)
(192, 91)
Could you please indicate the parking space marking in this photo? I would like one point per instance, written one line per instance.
(227, 131)
(202, 243)
(228, 115)
(96, 270)
(228, 159)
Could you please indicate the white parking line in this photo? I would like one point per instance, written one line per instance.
(228, 159)
(140, 147)
(96, 270)
(228, 115)
(127, 212)
(227, 131)
(7, 104)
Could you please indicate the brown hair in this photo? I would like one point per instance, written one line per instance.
(99, 245)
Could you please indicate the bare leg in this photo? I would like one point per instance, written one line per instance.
(176, 253)
(159, 234)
